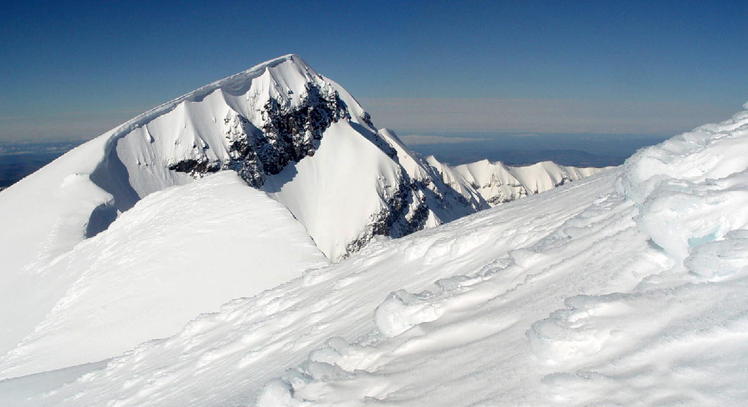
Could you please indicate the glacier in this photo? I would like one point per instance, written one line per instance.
(624, 288)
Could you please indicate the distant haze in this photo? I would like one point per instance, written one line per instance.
(582, 150)
(462, 115)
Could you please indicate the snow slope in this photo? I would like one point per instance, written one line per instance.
(176, 253)
(625, 288)
(337, 192)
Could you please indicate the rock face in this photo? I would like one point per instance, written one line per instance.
(289, 134)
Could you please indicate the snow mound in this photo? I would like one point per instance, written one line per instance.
(691, 194)
(401, 311)
(175, 254)
(692, 189)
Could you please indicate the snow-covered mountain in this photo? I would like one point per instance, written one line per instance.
(284, 129)
(625, 288)
(497, 183)
(224, 192)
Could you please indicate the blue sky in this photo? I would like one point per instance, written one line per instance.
(75, 69)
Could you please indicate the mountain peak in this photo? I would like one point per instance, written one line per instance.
(289, 68)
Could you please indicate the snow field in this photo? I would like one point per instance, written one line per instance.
(176, 253)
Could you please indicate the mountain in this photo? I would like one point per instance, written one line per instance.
(284, 129)
(497, 183)
(224, 192)
(624, 288)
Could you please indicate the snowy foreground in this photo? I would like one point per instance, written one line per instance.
(625, 288)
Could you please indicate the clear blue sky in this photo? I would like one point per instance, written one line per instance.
(74, 69)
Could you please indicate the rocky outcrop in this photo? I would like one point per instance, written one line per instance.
(404, 213)
(288, 134)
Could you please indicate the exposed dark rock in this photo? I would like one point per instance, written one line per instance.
(243, 147)
(392, 220)
(195, 167)
(289, 134)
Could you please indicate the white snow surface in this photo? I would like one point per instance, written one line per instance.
(625, 288)
(335, 192)
(176, 253)
(497, 183)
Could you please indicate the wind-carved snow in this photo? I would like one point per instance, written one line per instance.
(572, 297)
